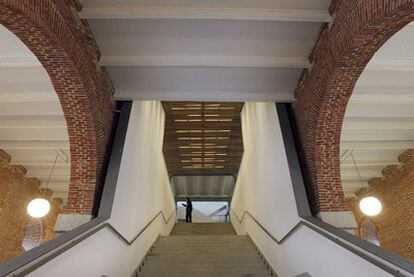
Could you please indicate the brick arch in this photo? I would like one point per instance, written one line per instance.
(341, 53)
(65, 47)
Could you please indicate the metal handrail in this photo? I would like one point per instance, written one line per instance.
(67, 240)
(287, 126)
(326, 233)
(291, 231)
(38, 256)
(45, 258)
(43, 253)
(166, 221)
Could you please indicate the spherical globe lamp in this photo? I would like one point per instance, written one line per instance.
(38, 207)
(370, 206)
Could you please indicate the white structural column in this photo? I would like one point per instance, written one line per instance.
(143, 190)
(144, 187)
(264, 172)
(264, 189)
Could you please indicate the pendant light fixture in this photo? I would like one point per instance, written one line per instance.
(369, 205)
(39, 207)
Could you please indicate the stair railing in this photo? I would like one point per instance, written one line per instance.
(387, 260)
(40, 255)
(130, 242)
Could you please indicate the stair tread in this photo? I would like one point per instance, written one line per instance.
(205, 274)
(215, 250)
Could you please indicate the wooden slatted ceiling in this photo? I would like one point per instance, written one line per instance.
(202, 137)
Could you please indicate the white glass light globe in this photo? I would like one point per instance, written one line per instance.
(370, 206)
(38, 207)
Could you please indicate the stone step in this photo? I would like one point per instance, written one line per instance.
(214, 250)
(208, 264)
(196, 242)
(231, 273)
(205, 259)
(206, 242)
(196, 245)
(204, 269)
(208, 272)
(211, 240)
(200, 247)
(202, 229)
(201, 237)
(199, 251)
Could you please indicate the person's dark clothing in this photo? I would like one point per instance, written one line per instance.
(188, 210)
(188, 217)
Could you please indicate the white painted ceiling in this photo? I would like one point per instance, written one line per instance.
(203, 186)
(210, 50)
(224, 50)
(219, 50)
(379, 120)
(32, 126)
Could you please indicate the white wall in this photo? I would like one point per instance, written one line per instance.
(263, 165)
(143, 184)
(143, 190)
(264, 189)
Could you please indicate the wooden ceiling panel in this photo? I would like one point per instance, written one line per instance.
(203, 137)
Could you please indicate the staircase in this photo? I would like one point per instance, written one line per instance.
(205, 250)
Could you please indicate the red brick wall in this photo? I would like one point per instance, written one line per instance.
(396, 193)
(359, 29)
(16, 192)
(66, 48)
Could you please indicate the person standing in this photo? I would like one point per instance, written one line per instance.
(188, 210)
